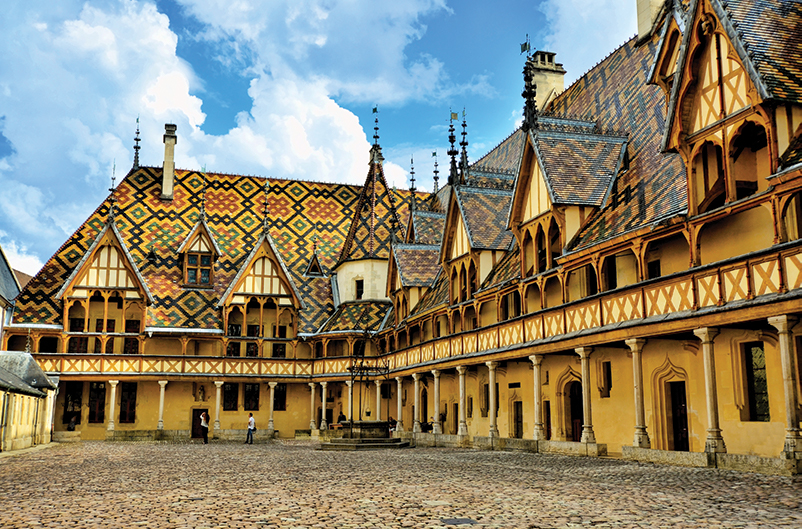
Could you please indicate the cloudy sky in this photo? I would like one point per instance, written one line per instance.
(281, 88)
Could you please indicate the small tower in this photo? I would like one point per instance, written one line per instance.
(136, 146)
(452, 152)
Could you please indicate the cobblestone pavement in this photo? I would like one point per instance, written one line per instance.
(290, 484)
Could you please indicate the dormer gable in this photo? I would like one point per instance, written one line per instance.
(665, 64)
(198, 252)
(108, 265)
(263, 273)
(533, 195)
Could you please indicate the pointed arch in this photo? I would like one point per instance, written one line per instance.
(667, 372)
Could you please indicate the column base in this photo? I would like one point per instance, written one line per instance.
(587, 435)
(416, 427)
(493, 433)
(793, 441)
(160, 426)
(539, 434)
(641, 438)
(462, 429)
(436, 428)
(324, 425)
(399, 426)
(714, 444)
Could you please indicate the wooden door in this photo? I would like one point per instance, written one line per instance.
(196, 422)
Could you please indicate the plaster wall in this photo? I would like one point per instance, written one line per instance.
(754, 230)
(372, 271)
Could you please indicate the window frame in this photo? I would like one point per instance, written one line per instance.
(198, 267)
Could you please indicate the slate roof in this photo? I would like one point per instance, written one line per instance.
(504, 158)
(359, 316)
(485, 211)
(793, 154)
(417, 264)
(428, 226)
(615, 95)
(506, 270)
(9, 287)
(234, 214)
(436, 296)
(20, 373)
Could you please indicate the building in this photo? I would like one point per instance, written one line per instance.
(624, 270)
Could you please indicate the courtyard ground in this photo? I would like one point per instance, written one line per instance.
(290, 484)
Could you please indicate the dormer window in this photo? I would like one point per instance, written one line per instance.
(198, 269)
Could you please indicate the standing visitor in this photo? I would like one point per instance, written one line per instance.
(251, 429)
(205, 427)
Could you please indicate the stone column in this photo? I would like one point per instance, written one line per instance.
(219, 392)
(641, 436)
(323, 424)
(436, 426)
(793, 439)
(312, 425)
(399, 425)
(271, 428)
(162, 384)
(587, 429)
(714, 442)
(350, 384)
(462, 429)
(378, 399)
(112, 404)
(492, 405)
(416, 420)
(539, 434)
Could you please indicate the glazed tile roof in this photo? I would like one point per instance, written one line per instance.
(417, 264)
(507, 269)
(436, 296)
(482, 178)
(234, 206)
(771, 34)
(615, 94)
(376, 217)
(359, 316)
(504, 158)
(793, 154)
(579, 167)
(485, 214)
(428, 226)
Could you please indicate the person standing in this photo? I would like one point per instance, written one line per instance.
(251, 429)
(205, 427)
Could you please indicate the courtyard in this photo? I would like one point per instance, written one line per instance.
(290, 484)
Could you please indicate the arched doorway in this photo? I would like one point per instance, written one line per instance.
(424, 410)
(575, 410)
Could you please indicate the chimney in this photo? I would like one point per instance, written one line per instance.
(548, 75)
(168, 173)
(648, 10)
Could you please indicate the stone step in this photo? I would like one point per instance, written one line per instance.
(364, 444)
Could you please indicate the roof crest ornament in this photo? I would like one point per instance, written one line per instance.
(412, 182)
(463, 163)
(452, 152)
(112, 190)
(530, 96)
(376, 150)
(136, 146)
(267, 208)
(436, 178)
(203, 195)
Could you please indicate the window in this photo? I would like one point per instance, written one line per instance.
(469, 411)
(230, 396)
(280, 399)
(72, 402)
(250, 397)
(232, 349)
(234, 329)
(128, 402)
(198, 269)
(756, 385)
(131, 344)
(607, 379)
(360, 288)
(279, 350)
(97, 402)
(385, 390)
(485, 403)
(252, 349)
(653, 269)
(78, 345)
(253, 331)
(359, 348)
(514, 385)
(76, 325)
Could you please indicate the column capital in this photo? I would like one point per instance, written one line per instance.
(536, 359)
(219, 383)
(271, 384)
(462, 370)
(324, 384)
(312, 385)
(491, 365)
(783, 323)
(113, 383)
(636, 344)
(584, 352)
(436, 373)
(415, 377)
(706, 334)
(378, 382)
(163, 383)
(348, 383)
(399, 379)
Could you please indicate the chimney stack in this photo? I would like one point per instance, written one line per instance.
(648, 10)
(548, 75)
(168, 173)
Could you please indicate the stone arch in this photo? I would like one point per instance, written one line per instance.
(568, 376)
(667, 372)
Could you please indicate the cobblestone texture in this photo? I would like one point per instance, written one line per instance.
(289, 484)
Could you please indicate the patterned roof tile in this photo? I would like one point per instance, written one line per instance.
(485, 213)
(417, 264)
(357, 316)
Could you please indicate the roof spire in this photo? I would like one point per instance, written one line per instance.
(412, 182)
(112, 189)
(452, 152)
(376, 150)
(530, 95)
(463, 163)
(267, 208)
(136, 146)
(436, 179)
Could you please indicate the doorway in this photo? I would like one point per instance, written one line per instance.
(196, 422)
(547, 418)
(518, 419)
(575, 407)
(424, 406)
(454, 418)
(677, 417)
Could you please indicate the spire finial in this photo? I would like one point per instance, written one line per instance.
(136, 146)
(267, 208)
(436, 179)
(412, 182)
(530, 95)
(376, 126)
(463, 163)
(112, 189)
(452, 152)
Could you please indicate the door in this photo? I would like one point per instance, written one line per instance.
(575, 406)
(547, 418)
(196, 427)
(518, 419)
(454, 418)
(678, 437)
(424, 407)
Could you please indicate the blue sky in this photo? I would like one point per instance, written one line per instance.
(273, 88)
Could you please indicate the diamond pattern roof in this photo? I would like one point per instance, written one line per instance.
(485, 213)
(417, 264)
(358, 316)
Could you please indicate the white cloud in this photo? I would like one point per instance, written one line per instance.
(580, 31)
(18, 256)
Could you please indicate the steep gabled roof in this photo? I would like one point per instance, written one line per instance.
(417, 264)
(375, 217)
(427, 226)
(436, 296)
(357, 317)
(504, 158)
(9, 286)
(507, 269)
(203, 227)
(485, 211)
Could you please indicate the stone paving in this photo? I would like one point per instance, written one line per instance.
(290, 484)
